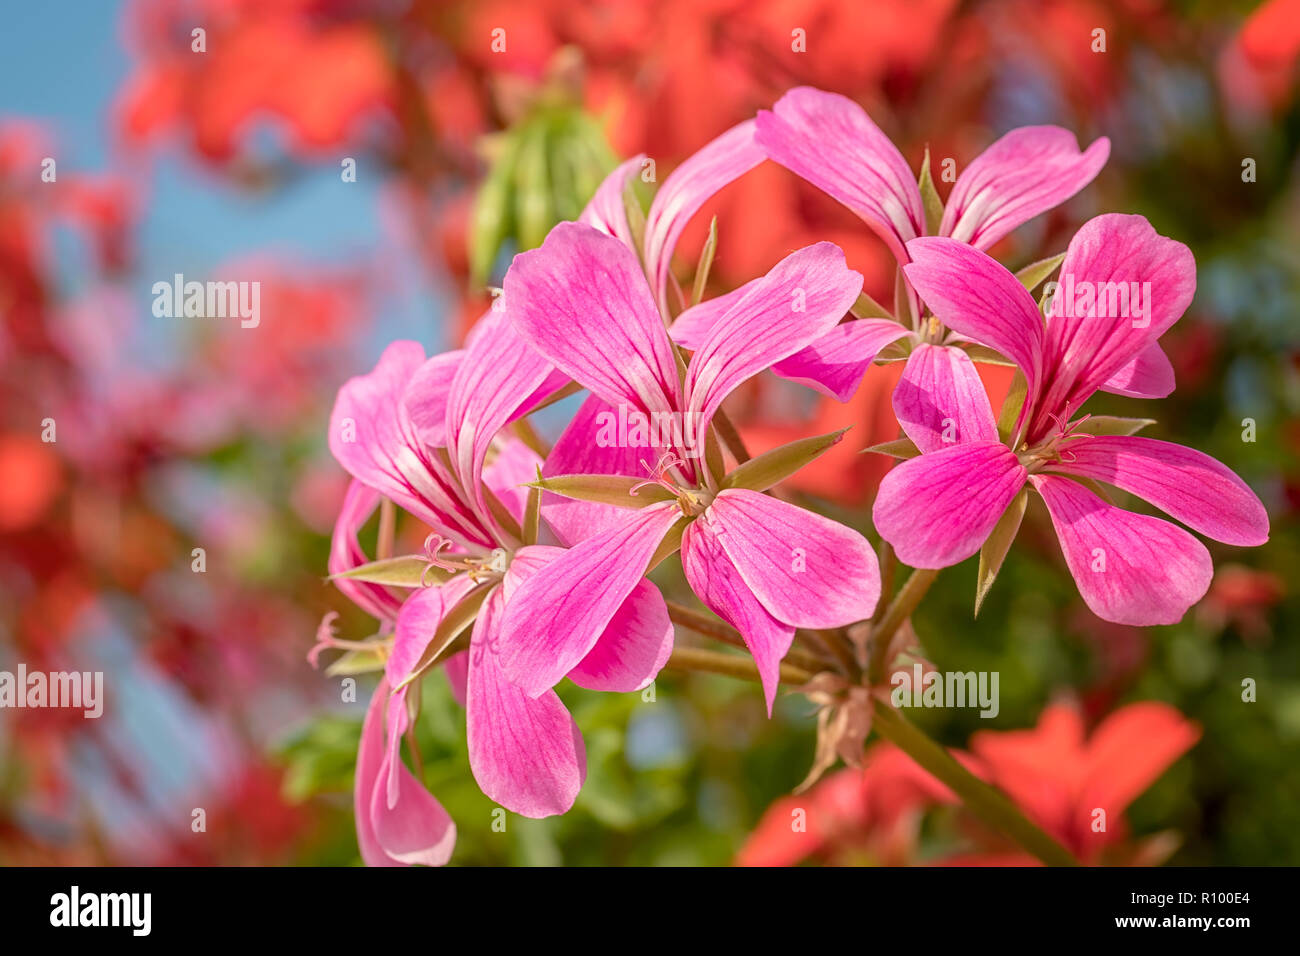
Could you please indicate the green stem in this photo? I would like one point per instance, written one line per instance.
(732, 665)
(983, 800)
(899, 610)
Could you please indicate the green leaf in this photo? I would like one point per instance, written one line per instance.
(903, 301)
(671, 543)
(450, 627)
(1034, 273)
(635, 214)
(706, 263)
(898, 448)
(998, 544)
(360, 661)
(868, 308)
(491, 218)
(533, 513)
(773, 467)
(930, 198)
(534, 214)
(1110, 425)
(403, 571)
(1011, 406)
(605, 489)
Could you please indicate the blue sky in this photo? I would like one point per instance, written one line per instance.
(62, 65)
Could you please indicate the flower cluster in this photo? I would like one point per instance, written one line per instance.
(536, 567)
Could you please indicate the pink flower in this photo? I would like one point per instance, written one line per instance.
(412, 826)
(764, 566)
(421, 432)
(830, 141)
(937, 509)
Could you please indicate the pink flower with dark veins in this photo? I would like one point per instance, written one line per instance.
(938, 508)
(765, 566)
(830, 141)
(427, 434)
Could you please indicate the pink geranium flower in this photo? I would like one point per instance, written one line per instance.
(937, 509)
(413, 827)
(765, 566)
(830, 141)
(421, 432)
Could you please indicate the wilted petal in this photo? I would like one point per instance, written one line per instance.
(978, 298)
(1149, 375)
(1188, 485)
(1109, 257)
(835, 363)
(806, 570)
(718, 584)
(940, 400)
(830, 141)
(938, 508)
(526, 753)
(689, 187)
(581, 301)
(802, 298)
(1026, 172)
(1130, 568)
(555, 616)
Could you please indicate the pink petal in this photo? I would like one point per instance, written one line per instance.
(1085, 351)
(498, 374)
(689, 187)
(582, 302)
(718, 584)
(978, 298)
(513, 466)
(940, 400)
(606, 211)
(692, 327)
(1130, 568)
(346, 553)
(426, 396)
(373, 438)
(419, 618)
(456, 668)
(764, 327)
(830, 141)
(835, 363)
(937, 509)
(555, 616)
(526, 753)
(1188, 485)
(580, 450)
(806, 570)
(1026, 172)
(634, 646)
(1149, 375)
(418, 830)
